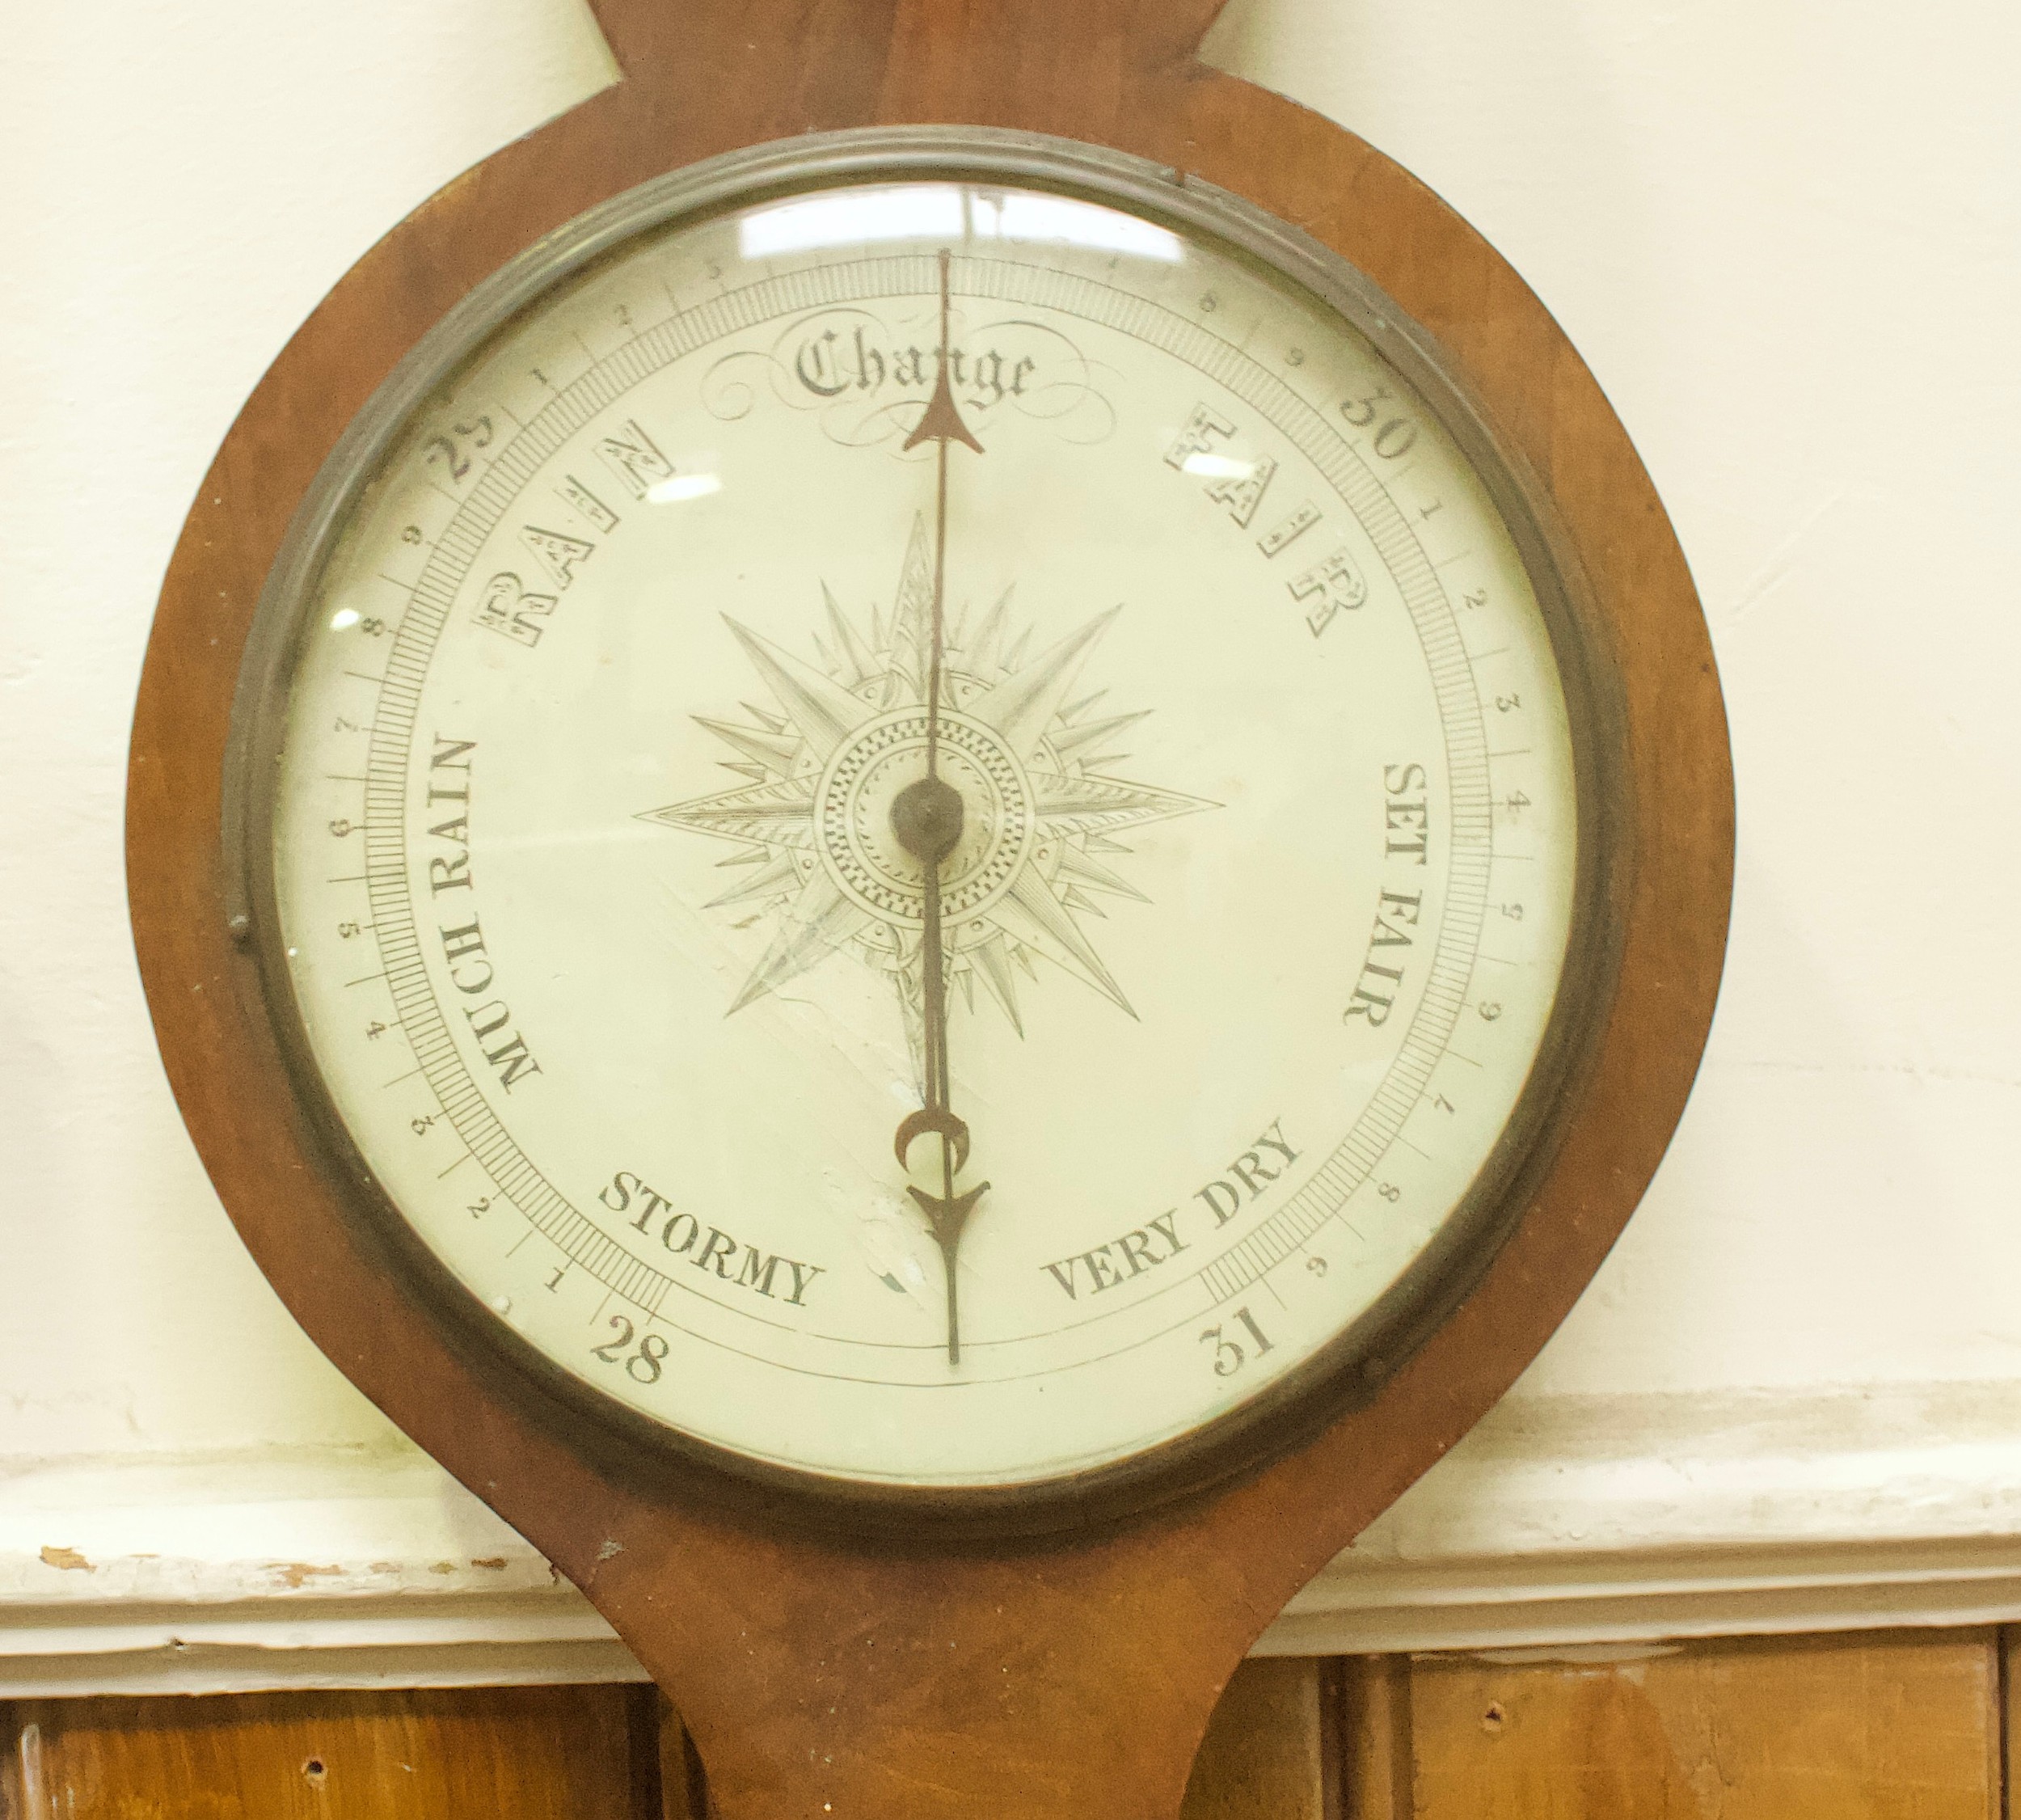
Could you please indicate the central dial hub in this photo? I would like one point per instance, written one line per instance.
(879, 821)
(926, 816)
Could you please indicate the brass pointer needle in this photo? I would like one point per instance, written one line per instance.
(927, 818)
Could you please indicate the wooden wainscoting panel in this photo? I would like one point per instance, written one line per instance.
(1872, 1726)
(462, 1754)
(1270, 1749)
(1878, 1726)
(1374, 1754)
(2010, 1647)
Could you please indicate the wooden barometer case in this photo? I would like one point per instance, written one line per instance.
(930, 827)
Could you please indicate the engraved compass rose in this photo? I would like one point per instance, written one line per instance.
(1043, 813)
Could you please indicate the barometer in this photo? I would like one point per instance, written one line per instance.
(929, 815)
(931, 885)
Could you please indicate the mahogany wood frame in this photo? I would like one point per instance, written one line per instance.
(1070, 1677)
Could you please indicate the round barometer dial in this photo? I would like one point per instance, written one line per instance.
(924, 818)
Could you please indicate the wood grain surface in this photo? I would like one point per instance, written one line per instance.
(1850, 1728)
(1377, 1753)
(684, 1786)
(913, 1680)
(1271, 1750)
(500, 1753)
(596, 1753)
(1906, 1726)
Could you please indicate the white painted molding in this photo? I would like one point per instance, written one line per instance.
(1649, 1597)
(340, 1641)
(1561, 1523)
(284, 1568)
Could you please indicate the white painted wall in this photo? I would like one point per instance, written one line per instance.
(1785, 233)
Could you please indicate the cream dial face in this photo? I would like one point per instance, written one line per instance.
(613, 952)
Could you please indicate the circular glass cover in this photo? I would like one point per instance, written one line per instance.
(924, 826)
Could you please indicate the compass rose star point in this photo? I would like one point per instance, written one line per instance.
(842, 725)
